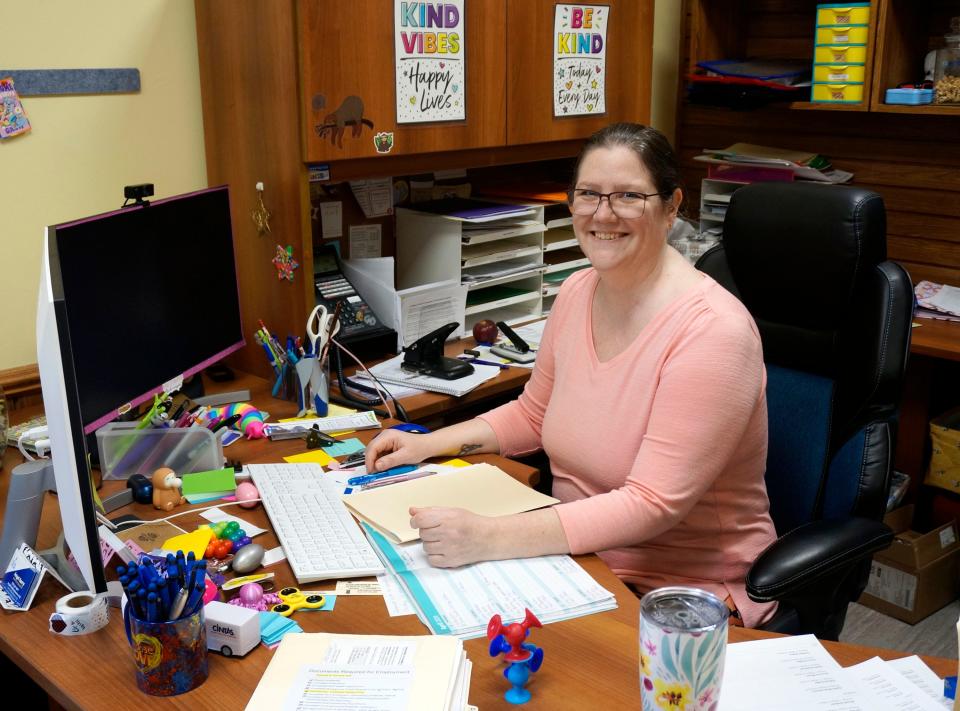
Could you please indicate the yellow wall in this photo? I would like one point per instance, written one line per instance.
(84, 149)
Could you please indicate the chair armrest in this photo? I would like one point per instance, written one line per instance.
(812, 551)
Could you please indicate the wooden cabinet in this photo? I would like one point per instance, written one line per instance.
(272, 72)
(347, 54)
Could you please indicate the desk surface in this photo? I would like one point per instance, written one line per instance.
(96, 671)
(936, 338)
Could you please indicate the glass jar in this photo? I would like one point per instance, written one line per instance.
(946, 76)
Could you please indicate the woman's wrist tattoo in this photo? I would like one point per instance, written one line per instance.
(467, 448)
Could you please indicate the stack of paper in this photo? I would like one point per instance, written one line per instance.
(390, 372)
(804, 165)
(481, 488)
(790, 673)
(937, 301)
(333, 671)
(461, 601)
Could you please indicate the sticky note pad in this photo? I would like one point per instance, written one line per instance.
(456, 463)
(215, 480)
(345, 448)
(315, 456)
(196, 541)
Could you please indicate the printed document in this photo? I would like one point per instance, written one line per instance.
(461, 601)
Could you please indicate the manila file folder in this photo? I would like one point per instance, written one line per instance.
(482, 488)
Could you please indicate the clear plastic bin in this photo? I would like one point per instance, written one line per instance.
(125, 450)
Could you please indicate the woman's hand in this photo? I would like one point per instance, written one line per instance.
(393, 448)
(453, 537)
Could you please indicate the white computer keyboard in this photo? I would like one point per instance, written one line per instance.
(317, 532)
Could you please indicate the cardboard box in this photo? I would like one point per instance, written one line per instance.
(917, 574)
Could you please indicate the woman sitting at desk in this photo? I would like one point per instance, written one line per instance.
(647, 396)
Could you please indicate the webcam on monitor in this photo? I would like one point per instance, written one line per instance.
(137, 193)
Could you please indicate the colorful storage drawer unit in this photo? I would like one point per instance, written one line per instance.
(857, 13)
(840, 54)
(838, 93)
(845, 34)
(838, 73)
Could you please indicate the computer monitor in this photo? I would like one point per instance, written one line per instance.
(131, 302)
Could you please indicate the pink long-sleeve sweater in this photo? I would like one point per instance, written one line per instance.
(657, 454)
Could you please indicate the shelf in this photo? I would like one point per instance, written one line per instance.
(475, 256)
(516, 298)
(827, 106)
(533, 271)
(563, 266)
(711, 218)
(922, 109)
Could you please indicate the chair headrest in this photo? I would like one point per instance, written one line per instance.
(799, 251)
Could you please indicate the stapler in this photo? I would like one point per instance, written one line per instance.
(425, 356)
(518, 350)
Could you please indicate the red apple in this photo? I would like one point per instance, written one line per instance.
(485, 331)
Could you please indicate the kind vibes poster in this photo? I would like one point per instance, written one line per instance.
(430, 59)
(580, 59)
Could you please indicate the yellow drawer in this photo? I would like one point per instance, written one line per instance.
(838, 73)
(843, 15)
(839, 54)
(838, 93)
(842, 35)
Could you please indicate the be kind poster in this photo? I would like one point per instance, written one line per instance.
(580, 59)
(430, 58)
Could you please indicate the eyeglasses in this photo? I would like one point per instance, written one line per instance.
(623, 204)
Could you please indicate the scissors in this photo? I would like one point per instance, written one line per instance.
(292, 600)
(322, 326)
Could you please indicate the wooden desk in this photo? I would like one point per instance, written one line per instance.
(940, 339)
(590, 661)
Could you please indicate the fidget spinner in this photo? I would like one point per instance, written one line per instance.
(292, 600)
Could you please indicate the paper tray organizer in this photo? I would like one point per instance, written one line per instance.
(125, 450)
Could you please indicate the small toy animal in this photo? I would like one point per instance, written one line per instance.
(166, 489)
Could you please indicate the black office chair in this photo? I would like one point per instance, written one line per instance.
(809, 263)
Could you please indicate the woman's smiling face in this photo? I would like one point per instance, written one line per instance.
(612, 242)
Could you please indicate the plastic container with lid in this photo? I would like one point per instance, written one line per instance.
(946, 78)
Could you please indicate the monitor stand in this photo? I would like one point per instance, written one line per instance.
(21, 521)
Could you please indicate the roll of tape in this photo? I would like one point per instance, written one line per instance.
(80, 613)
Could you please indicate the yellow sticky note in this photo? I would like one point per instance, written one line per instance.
(196, 541)
(456, 463)
(332, 411)
(314, 456)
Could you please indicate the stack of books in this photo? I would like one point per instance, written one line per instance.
(765, 160)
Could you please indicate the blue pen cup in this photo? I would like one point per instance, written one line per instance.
(170, 657)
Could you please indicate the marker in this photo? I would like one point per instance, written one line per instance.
(368, 478)
(398, 479)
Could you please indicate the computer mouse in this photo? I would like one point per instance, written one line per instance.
(410, 427)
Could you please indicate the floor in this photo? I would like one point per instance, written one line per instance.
(936, 635)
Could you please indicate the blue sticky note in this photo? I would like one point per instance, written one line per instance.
(344, 448)
(950, 687)
(328, 602)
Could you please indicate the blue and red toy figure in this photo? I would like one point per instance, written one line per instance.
(524, 657)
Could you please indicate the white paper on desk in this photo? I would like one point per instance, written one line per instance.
(433, 662)
(923, 677)
(396, 600)
(461, 601)
(885, 689)
(390, 371)
(216, 515)
(785, 674)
